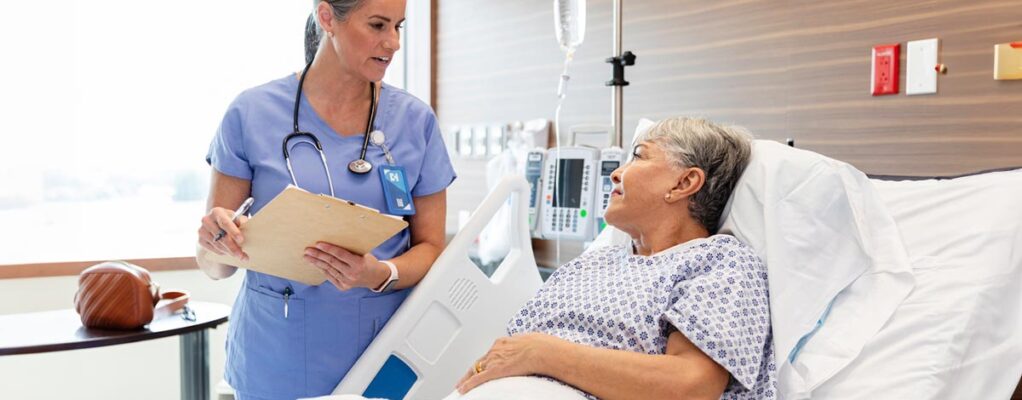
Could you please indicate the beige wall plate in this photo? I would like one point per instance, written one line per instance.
(1008, 61)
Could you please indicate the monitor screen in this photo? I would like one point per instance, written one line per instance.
(608, 167)
(568, 192)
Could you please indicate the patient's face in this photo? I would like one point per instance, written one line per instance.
(640, 186)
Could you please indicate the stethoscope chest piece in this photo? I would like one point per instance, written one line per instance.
(360, 166)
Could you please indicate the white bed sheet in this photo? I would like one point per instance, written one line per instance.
(958, 335)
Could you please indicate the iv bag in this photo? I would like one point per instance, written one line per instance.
(570, 23)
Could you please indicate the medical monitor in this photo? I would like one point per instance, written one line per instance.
(569, 186)
(610, 159)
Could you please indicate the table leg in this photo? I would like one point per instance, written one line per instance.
(195, 366)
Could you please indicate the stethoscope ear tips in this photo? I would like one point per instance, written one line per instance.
(360, 166)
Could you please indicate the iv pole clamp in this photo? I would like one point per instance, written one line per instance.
(619, 64)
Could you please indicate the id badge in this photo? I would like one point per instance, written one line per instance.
(395, 190)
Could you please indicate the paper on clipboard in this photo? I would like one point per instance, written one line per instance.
(276, 237)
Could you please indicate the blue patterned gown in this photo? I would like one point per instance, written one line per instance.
(712, 290)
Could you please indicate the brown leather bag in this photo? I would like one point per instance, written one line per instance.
(120, 295)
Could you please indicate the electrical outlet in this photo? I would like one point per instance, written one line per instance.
(884, 75)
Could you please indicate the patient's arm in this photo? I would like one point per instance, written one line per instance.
(684, 372)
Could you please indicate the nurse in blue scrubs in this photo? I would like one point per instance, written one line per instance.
(287, 339)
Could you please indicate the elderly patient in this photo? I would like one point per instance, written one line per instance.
(680, 313)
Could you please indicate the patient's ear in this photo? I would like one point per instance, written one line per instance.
(689, 182)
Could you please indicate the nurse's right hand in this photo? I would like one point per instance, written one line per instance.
(222, 218)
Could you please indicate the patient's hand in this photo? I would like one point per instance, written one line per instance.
(519, 355)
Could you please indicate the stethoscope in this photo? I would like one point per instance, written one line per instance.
(359, 166)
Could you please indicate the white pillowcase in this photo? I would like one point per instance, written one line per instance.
(832, 251)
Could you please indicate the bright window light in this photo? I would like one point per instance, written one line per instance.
(109, 109)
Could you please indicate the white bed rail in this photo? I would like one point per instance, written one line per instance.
(454, 314)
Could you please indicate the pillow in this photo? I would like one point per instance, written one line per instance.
(963, 320)
(836, 264)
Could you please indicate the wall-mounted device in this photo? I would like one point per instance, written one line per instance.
(610, 159)
(534, 175)
(569, 184)
(496, 139)
(884, 75)
(1008, 61)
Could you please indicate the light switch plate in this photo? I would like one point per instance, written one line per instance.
(1008, 61)
(921, 73)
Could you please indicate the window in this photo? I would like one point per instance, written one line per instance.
(109, 110)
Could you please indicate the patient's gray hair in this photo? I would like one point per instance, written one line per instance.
(721, 151)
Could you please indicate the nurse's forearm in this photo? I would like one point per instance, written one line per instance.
(415, 263)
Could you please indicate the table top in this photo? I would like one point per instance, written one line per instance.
(46, 331)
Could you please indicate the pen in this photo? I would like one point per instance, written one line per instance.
(245, 205)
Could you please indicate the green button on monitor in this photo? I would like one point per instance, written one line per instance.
(582, 213)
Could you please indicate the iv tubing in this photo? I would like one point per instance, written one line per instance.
(562, 87)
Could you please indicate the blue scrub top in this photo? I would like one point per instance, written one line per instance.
(326, 330)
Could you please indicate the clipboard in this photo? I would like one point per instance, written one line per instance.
(276, 237)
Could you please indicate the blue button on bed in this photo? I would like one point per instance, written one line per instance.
(393, 381)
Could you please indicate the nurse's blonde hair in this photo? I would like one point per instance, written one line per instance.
(721, 151)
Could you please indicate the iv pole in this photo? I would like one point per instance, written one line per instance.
(619, 61)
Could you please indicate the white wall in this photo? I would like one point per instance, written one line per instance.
(149, 370)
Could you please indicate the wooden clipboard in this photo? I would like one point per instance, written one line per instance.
(276, 237)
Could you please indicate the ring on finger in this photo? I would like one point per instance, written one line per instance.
(479, 366)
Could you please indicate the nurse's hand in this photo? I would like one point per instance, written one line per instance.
(345, 269)
(519, 355)
(222, 218)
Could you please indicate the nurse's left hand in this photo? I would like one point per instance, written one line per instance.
(518, 355)
(345, 269)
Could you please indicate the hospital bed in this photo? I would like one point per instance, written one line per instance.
(455, 312)
(955, 332)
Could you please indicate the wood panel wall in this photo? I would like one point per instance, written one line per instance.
(782, 68)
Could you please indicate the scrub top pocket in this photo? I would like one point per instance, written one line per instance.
(266, 355)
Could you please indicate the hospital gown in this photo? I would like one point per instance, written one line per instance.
(712, 290)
